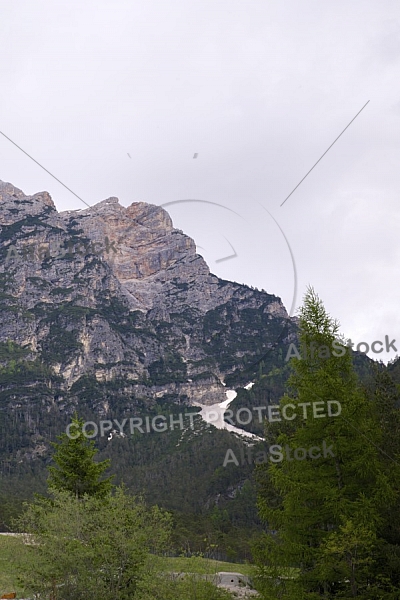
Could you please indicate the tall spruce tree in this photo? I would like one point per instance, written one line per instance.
(385, 398)
(324, 515)
(76, 471)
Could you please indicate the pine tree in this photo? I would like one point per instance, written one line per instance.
(76, 471)
(323, 514)
(385, 398)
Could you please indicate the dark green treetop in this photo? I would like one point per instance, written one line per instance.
(76, 471)
(325, 516)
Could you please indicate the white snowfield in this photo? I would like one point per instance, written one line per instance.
(249, 385)
(214, 414)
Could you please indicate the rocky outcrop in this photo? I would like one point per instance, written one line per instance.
(118, 292)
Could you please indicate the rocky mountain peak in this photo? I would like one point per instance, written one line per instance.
(15, 204)
(121, 292)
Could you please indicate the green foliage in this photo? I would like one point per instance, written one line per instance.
(393, 368)
(60, 291)
(169, 369)
(385, 398)
(24, 372)
(9, 509)
(60, 345)
(76, 471)
(324, 515)
(99, 548)
(10, 232)
(90, 548)
(11, 351)
(181, 587)
(10, 547)
(200, 565)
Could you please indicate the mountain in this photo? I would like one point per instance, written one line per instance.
(111, 312)
(117, 292)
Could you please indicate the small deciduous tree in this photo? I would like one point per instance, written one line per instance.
(89, 547)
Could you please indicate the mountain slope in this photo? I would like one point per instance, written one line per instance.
(118, 292)
(111, 311)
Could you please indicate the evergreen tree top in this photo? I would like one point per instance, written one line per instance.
(76, 471)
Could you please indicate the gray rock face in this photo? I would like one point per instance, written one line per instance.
(119, 292)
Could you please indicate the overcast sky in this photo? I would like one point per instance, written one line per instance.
(115, 98)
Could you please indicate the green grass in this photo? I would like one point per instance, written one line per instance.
(204, 566)
(208, 566)
(9, 547)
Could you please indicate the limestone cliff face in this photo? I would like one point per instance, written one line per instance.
(152, 259)
(114, 292)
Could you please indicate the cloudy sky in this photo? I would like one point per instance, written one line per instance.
(115, 98)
